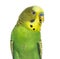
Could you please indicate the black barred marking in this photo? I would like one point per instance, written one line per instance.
(32, 20)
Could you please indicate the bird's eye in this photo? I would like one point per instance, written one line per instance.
(32, 20)
(33, 12)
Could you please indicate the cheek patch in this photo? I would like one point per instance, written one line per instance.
(40, 20)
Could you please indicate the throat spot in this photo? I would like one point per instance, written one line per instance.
(32, 27)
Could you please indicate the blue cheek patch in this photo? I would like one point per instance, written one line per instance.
(42, 14)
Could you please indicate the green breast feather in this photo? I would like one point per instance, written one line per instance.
(24, 36)
(25, 42)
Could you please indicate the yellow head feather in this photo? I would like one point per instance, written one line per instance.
(36, 25)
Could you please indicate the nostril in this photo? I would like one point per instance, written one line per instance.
(42, 14)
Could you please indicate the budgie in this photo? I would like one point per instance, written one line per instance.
(26, 35)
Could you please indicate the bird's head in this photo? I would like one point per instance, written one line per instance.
(32, 18)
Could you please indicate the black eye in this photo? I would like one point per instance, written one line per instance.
(32, 20)
(33, 12)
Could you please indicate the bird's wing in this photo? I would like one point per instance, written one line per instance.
(11, 46)
(39, 45)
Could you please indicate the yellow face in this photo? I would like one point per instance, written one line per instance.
(35, 24)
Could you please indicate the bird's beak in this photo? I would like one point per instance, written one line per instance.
(42, 17)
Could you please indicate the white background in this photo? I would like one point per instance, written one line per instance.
(9, 12)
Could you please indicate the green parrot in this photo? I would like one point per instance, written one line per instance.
(26, 37)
